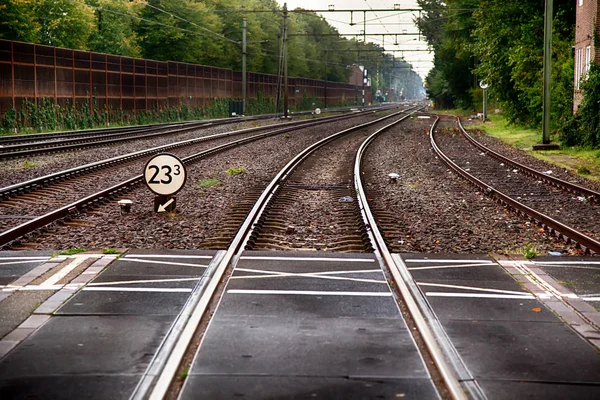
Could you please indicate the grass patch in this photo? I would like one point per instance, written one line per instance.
(529, 251)
(110, 251)
(585, 162)
(28, 164)
(70, 252)
(184, 374)
(208, 182)
(236, 171)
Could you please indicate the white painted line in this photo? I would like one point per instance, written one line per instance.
(479, 295)
(19, 262)
(473, 288)
(450, 266)
(306, 259)
(63, 272)
(164, 263)
(11, 288)
(276, 274)
(567, 262)
(591, 298)
(143, 281)
(448, 261)
(310, 293)
(25, 258)
(127, 289)
(164, 256)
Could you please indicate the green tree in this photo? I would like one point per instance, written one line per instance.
(508, 43)
(116, 21)
(65, 23)
(181, 30)
(18, 21)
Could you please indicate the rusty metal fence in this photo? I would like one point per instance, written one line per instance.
(34, 72)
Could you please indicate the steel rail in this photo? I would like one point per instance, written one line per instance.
(103, 195)
(25, 138)
(36, 183)
(232, 255)
(447, 371)
(543, 220)
(76, 144)
(556, 182)
(6, 151)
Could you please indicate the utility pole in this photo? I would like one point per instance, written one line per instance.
(325, 80)
(278, 102)
(244, 53)
(546, 145)
(285, 61)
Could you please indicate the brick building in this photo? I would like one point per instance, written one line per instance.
(585, 51)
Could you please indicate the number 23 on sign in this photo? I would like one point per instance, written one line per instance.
(165, 174)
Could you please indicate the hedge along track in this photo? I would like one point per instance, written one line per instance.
(537, 194)
(88, 202)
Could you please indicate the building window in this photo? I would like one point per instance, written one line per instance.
(588, 59)
(580, 3)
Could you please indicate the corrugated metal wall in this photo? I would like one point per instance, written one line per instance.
(33, 72)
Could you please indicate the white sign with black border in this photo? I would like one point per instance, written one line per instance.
(165, 175)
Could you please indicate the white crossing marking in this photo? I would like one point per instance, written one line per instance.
(480, 295)
(64, 271)
(14, 288)
(144, 281)
(319, 275)
(473, 288)
(310, 293)
(25, 258)
(18, 262)
(163, 262)
(591, 298)
(307, 259)
(448, 261)
(566, 262)
(450, 266)
(165, 256)
(128, 289)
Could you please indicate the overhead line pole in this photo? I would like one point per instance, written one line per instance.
(285, 61)
(244, 53)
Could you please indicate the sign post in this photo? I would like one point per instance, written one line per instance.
(165, 175)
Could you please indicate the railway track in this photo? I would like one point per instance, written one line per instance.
(85, 140)
(569, 212)
(43, 200)
(266, 216)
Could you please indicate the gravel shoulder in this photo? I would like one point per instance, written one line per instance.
(430, 209)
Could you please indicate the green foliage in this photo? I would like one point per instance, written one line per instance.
(585, 128)
(208, 182)
(65, 23)
(28, 164)
(72, 251)
(529, 251)
(18, 20)
(236, 171)
(110, 251)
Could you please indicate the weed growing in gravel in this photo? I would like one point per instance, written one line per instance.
(529, 251)
(209, 182)
(236, 171)
(110, 251)
(582, 170)
(28, 164)
(184, 374)
(70, 252)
